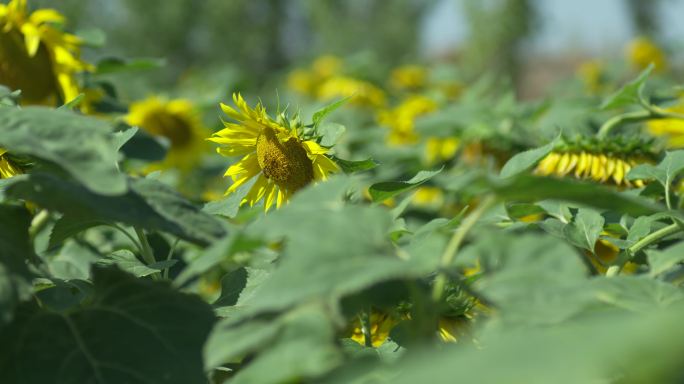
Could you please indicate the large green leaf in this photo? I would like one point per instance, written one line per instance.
(525, 160)
(148, 204)
(131, 331)
(384, 190)
(630, 93)
(15, 251)
(84, 147)
(336, 248)
(584, 229)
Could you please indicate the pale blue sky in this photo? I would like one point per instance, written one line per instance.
(594, 26)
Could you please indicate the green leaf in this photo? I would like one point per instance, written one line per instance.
(128, 262)
(68, 226)
(232, 285)
(330, 133)
(637, 293)
(74, 103)
(351, 166)
(15, 249)
(322, 113)
(327, 233)
(660, 261)
(385, 190)
(585, 229)
(526, 188)
(116, 65)
(131, 330)
(630, 93)
(84, 147)
(671, 165)
(148, 204)
(523, 161)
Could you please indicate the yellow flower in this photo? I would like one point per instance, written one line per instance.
(671, 128)
(281, 161)
(450, 329)
(440, 149)
(408, 77)
(428, 197)
(605, 253)
(401, 119)
(606, 169)
(381, 324)
(362, 93)
(327, 66)
(307, 81)
(592, 74)
(175, 120)
(7, 167)
(37, 57)
(642, 51)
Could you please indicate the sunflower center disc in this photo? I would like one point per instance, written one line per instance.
(285, 163)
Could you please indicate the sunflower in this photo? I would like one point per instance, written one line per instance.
(281, 160)
(7, 167)
(362, 93)
(178, 122)
(307, 81)
(408, 77)
(670, 128)
(37, 57)
(593, 75)
(440, 149)
(450, 329)
(641, 52)
(381, 324)
(401, 119)
(604, 168)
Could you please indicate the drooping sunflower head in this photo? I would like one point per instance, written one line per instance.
(37, 57)
(273, 151)
(642, 51)
(176, 121)
(606, 162)
(8, 168)
(401, 119)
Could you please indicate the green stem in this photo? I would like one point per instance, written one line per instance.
(129, 236)
(366, 328)
(649, 113)
(39, 222)
(653, 237)
(455, 243)
(168, 257)
(146, 251)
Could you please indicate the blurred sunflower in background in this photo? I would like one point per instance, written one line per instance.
(440, 149)
(380, 325)
(37, 56)
(362, 93)
(176, 121)
(274, 152)
(7, 167)
(401, 119)
(642, 51)
(408, 78)
(672, 129)
(307, 81)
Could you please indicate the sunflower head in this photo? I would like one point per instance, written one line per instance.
(606, 162)
(8, 167)
(671, 129)
(642, 51)
(380, 325)
(275, 152)
(177, 121)
(36, 56)
(408, 77)
(401, 119)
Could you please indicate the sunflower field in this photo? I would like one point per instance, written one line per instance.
(270, 191)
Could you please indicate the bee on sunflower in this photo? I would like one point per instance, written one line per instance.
(37, 57)
(281, 157)
(606, 162)
(8, 167)
(178, 122)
